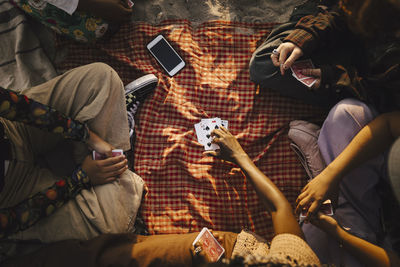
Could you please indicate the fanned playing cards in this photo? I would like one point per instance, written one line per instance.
(204, 129)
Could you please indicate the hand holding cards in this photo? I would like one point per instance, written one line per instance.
(325, 208)
(211, 247)
(204, 129)
(298, 66)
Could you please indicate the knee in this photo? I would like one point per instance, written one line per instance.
(350, 110)
(103, 74)
(103, 71)
(261, 68)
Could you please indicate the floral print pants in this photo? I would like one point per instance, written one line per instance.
(80, 26)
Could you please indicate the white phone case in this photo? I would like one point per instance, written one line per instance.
(178, 67)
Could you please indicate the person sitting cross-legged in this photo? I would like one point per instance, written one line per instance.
(51, 189)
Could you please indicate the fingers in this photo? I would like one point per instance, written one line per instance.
(217, 132)
(111, 161)
(296, 54)
(302, 204)
(115, 167)
(312, 72)
(316, 85)
(199, 252)
(275, 57)
(282, 59)
(108, 152)
(285, 55)
(316, 73)
(312, 211)
(217, 236)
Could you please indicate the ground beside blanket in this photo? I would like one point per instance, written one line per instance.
(253, 11)
(186, 190)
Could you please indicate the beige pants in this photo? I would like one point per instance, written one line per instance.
(92, 94)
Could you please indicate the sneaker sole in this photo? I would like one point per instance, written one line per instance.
(142, 85)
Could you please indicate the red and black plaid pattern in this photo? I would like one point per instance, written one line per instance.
(186, 190)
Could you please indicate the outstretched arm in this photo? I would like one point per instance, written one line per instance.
(367, 253)
(276, 203)
(372, 140)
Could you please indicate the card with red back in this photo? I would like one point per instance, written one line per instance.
(308, 81)
(117, 152)
(209, 245)
(130, 3)
(325, 208)
(98, 156)
(300, 65)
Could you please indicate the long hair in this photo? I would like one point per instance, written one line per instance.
(372, 17)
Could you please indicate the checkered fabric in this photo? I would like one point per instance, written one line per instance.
(186, 190)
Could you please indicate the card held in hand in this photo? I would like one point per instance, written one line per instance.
(115, 153)
(325, 208)
(301, 65)
(209, 245)
(204, 129)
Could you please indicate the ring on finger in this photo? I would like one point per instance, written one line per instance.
(197, 250)
(275, 52)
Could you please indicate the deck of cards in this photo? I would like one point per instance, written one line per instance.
(296, 72)
(204, 129)
(209, 245)
(115, 153)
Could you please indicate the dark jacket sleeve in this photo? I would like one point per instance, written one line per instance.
(317, 31)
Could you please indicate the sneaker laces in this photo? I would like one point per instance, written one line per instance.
(131, 111)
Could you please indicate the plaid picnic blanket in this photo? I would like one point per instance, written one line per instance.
(186, 190)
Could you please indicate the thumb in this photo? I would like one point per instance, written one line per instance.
(312, 72)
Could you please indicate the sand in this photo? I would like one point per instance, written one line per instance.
(197, 11)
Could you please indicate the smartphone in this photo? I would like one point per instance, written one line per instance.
(166, 55)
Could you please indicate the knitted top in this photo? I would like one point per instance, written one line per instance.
(285, 249)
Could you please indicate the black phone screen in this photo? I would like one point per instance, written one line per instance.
(166, 55)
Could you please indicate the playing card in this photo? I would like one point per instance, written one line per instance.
(114, 152)
(225, 124)
(201, 134)
(117, 152)
(98, 156)
(308, 81)
(209, 245)
(204, 129)
(325, 208)
(300, 65)
(130, 3)
(209, 126)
